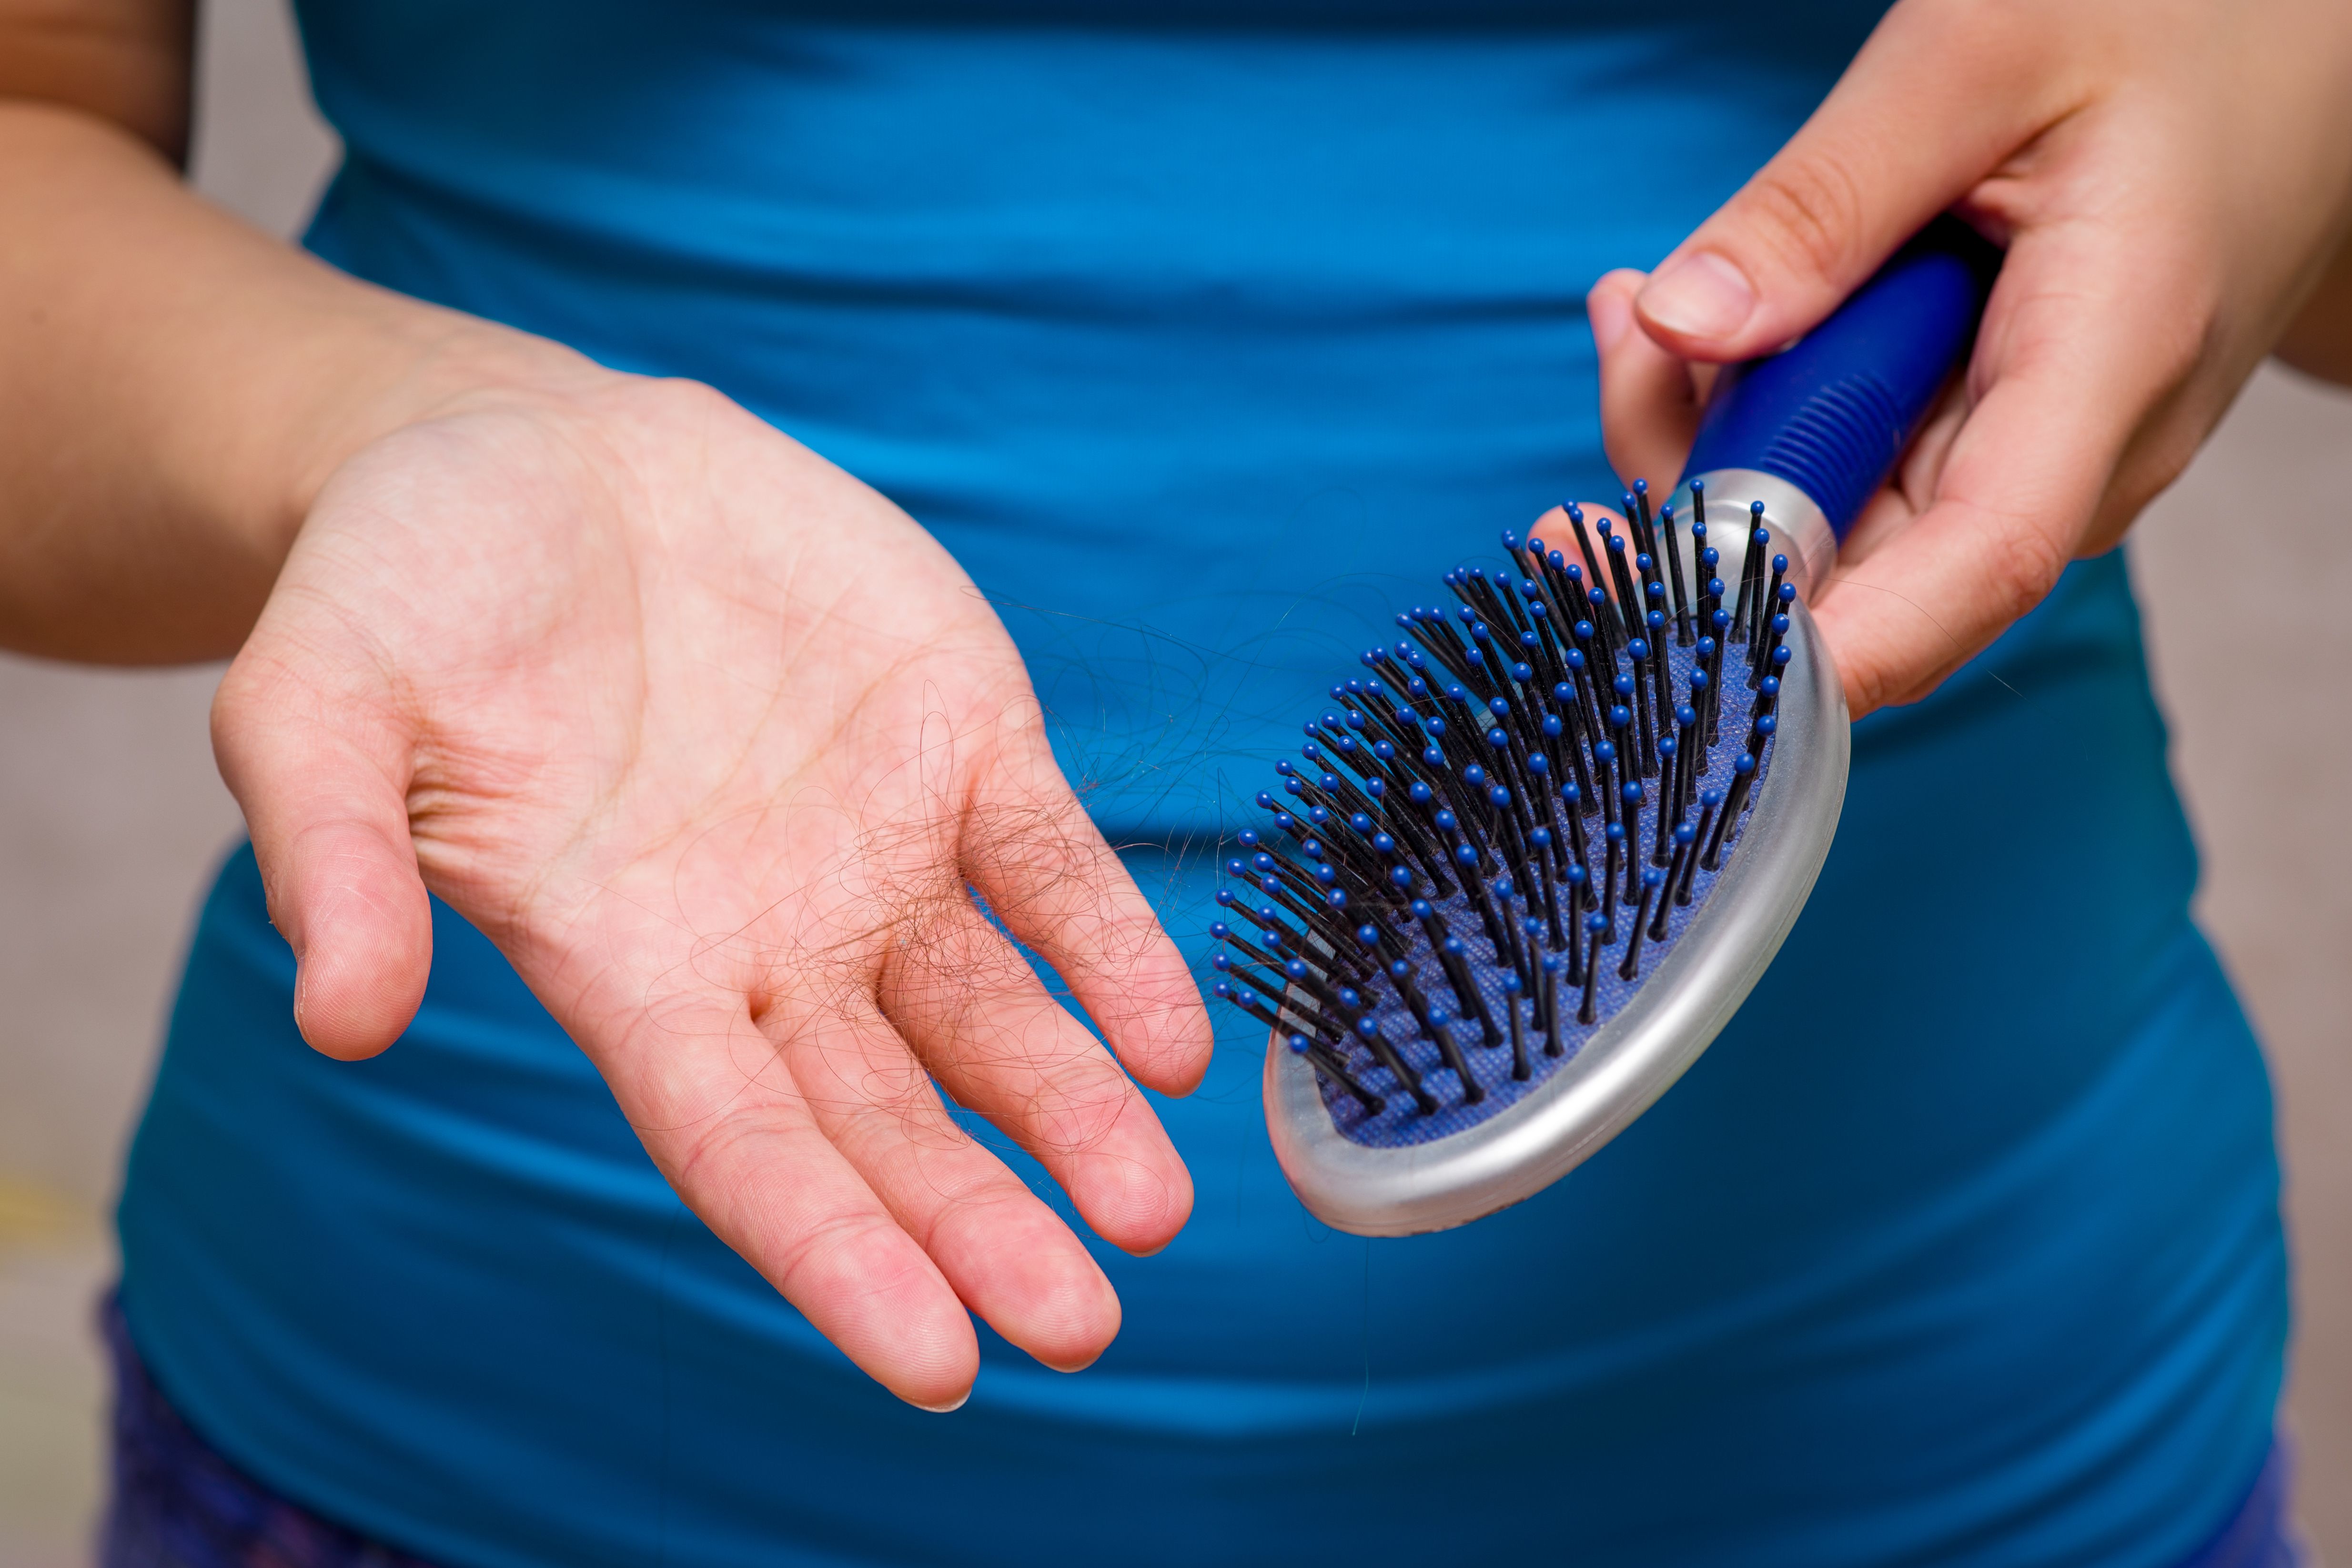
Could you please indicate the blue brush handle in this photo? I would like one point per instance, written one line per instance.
(1832, 414)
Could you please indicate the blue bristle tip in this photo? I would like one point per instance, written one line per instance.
(1440, 872)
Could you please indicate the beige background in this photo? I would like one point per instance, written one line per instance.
(111, 816)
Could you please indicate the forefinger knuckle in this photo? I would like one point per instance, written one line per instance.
(1809, 210)
(2023, 562)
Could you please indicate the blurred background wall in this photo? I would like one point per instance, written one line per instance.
(111, 817)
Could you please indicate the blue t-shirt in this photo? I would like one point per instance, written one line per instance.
(1205, 335)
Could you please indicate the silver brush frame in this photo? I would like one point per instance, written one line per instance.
(1636, 1056)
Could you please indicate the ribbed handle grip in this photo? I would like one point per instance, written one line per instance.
(1832, 413)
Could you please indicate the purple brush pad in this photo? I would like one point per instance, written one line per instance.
(1403, 1123)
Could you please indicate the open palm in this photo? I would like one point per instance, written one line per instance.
(716, 744)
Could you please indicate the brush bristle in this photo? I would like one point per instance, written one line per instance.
(1510, 821)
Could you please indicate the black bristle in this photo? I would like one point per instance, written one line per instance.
(1584, 544)
(1762, 540)
(1581, 671)
(1733, 800)
(1641, 673)
(1615, 837)
(1669, 786)
(1661, 667)
(1751, 568)
(1683, 836)
(1551, 877)
(1552, 1030)
(1578, 876)
(1385, 1052)
(1650, 877)
(1449, 1050)
(1683, 633)
(1631, 797)
(1327, 1061)
(1766, 605)
(1520, 1066)
(1466, 988)
(1711, 649)
(1481, 901)
(1645, 533)
(1621, 577)
(1691, 757)
(1596, 927)
(1708, 801)
(1250, 1003)
(1579, 903)
(1541, 759)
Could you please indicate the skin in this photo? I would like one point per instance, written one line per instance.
(607, 664)
(2172, 181)
(611, 666)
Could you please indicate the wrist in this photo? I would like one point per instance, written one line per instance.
(417, 363)
(177, 388)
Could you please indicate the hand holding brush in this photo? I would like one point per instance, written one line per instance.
(2129, 310)
(2169, 182)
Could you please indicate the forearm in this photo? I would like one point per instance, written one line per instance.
(2319, 341)
(173, 389)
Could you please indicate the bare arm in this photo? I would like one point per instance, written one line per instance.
(177, 385)
(2318, 341)
(477, 586)
(122, 61)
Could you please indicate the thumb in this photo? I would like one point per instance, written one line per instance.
(323, 784)
(1649, 400)
(1935, 102)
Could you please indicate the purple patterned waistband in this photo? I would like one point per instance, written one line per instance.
(176, 1503)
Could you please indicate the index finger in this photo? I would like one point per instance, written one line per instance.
(1936, 99)
(1059, 888)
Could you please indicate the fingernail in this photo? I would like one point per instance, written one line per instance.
(958, 1404)
(1701, 295)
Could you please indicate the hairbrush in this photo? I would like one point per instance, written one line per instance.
(1535, 857)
